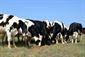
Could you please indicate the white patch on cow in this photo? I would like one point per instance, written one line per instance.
(60, 36)
(75, 35)
(11, 21)
(14, 32)
(60, 23)
(20, 30)
(8, 35)
(39, 44)
(28, 23)
(47, 22)
(52, 24)
(62, 40)
(51, 34)
(23, 34)
(28, 34)
(40, 37)
(65, 36)
(35, 38)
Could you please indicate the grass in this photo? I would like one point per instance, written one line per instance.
(56, 50)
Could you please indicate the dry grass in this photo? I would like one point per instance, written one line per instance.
(57, 50)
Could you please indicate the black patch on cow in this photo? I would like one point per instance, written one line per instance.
(75, 27)
(9, 17)
(15, 25)
(7, 21)
(23, 26)
(1, 16)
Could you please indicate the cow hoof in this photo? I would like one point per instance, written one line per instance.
(39, 44)
(15, 46)
(63, 43)
(9, 47)
(75, 42)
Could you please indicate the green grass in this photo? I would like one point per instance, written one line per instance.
(57, 50)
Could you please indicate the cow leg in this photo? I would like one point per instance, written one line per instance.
(39, 44)
(57, 38)
(29, 40)
(62, 40)
(40, 39)
(3, 39)
(9, 39)
(57, 41)
(18, 38)
(75, 36)
(14, 42)
(75, 40)
(71, 39)
(25, 40)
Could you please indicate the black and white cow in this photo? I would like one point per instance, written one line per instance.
(14, 25)
(75, 29)
(9, 22)
(56, 32)
(35, 28)
(39, 32)
(23, 29)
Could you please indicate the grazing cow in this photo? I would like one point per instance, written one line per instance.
(75, 29)
(10, 23)
(56, 32)
(23, 29)
(39, 33)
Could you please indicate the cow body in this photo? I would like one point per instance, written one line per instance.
(75, 29)
(39, 33)
(55, 31)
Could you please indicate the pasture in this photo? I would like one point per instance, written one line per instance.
(56, 50)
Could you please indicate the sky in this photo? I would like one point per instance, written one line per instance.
(67, 11)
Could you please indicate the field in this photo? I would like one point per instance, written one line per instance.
(57, 50)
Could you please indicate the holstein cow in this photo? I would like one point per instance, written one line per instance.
(39, 32)
(74, 31)
(56, 30)
(14, 25)
(23, 29)
(10, 23)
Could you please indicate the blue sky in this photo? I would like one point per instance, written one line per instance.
(67, 11)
